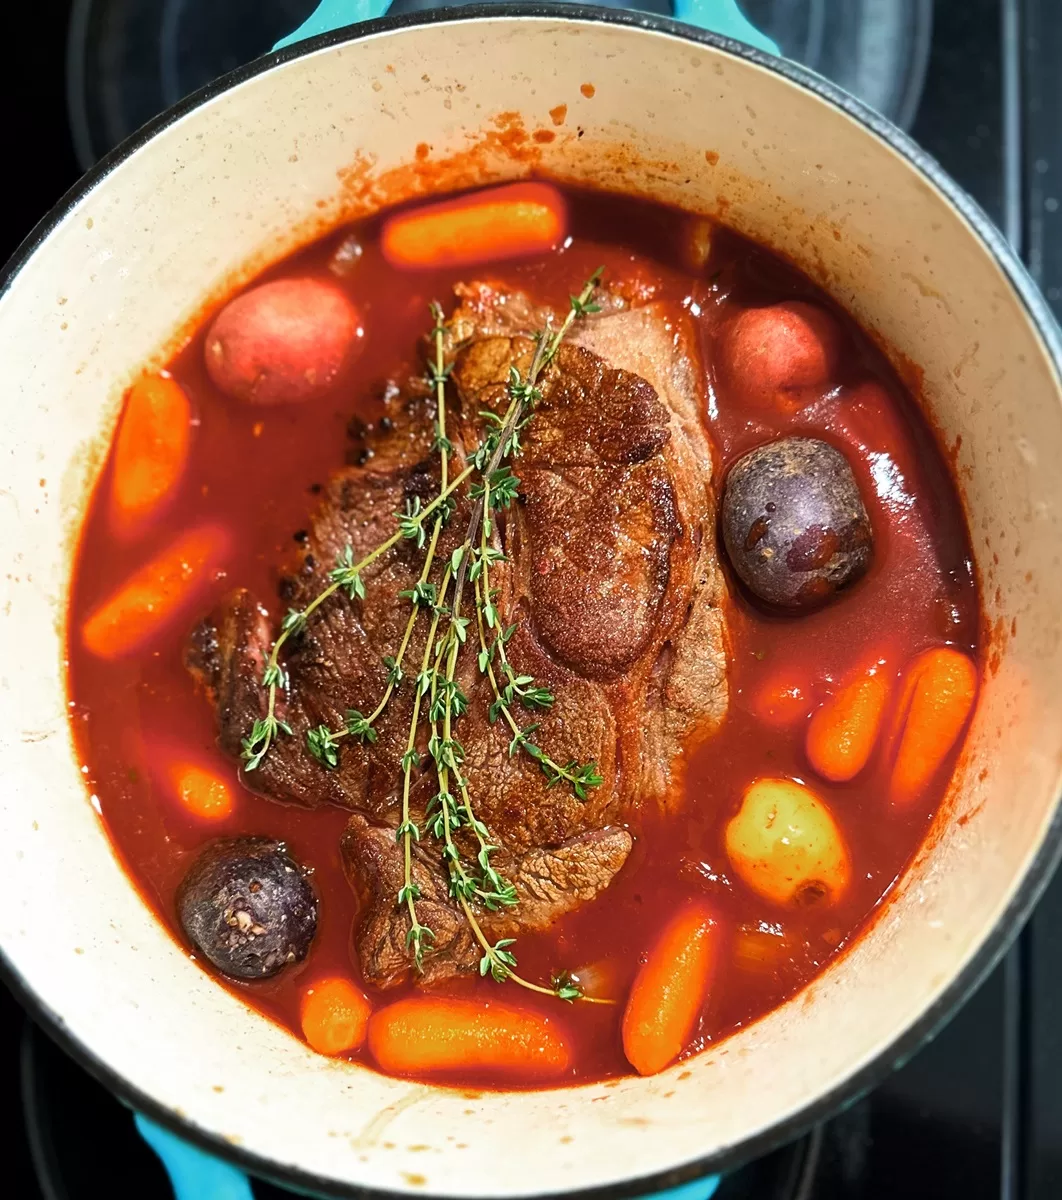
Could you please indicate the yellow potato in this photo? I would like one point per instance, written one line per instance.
(785, 844)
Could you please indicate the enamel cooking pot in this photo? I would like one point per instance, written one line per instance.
(253, 166)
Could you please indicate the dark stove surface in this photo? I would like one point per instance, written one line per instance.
(128, 59)
(976, 1114)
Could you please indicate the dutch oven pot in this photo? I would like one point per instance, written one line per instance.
(252, 167)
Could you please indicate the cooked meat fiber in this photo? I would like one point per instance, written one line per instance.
(611, 579)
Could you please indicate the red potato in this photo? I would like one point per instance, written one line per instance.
(781, 356)
(282, 342)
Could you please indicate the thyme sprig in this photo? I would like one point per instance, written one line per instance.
(581, 777)
(323, 742)
(347, 575)
(489, 887)
(497, 959)
(500, 963)
(450, 816)
(420, 937)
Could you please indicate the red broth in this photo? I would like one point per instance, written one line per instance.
(255, 471)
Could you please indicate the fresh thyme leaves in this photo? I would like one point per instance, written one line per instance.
(581, 777)
(323, 746)
(261, 737)
(500, 962)
(437, 697)
(347, 576)
(264, 733)
(420, 937)
(565, 987)
(447, 704)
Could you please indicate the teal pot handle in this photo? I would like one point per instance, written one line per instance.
(725, 18)
(334, 14)
(719, 16)
(194, 1174)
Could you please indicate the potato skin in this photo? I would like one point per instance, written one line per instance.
(785, 845)
(248, 907)
(794, 524)
(780, 356)
(281, 342)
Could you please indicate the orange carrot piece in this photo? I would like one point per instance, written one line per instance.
(503, 222)
(335, 1016)
(150, 451)
(782, 701)
(202, 793)
(154, 594)
(423, 1035)
(938, 697)
(669, 991)
(842, 734)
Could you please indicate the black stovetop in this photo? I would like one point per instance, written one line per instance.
(975, 1115)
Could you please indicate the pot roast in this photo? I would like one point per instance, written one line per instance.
(612, 582)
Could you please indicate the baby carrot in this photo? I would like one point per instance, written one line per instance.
(202, 793)
(152, 595)
(669, 991)
(335, 1016)
(503, 222)
(150, 450)
(782, 701)
(841, 735)
(426, 1034)
(938, 696)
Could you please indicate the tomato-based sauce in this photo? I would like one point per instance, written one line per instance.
(255, 472)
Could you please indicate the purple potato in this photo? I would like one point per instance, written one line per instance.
(248, 906)
(794, 524)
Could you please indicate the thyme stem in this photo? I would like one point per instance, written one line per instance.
(407, 831)
(360, 726)
(264, 733)
(491, 954)
(419, 934)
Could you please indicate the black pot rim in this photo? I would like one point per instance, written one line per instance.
(1049, 853)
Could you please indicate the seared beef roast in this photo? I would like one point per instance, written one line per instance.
(611, 580)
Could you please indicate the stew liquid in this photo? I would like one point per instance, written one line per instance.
(255, 471)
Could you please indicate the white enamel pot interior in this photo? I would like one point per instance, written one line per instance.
(248, 169)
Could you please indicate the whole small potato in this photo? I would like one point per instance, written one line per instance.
(780, 356)
(786, 846)
(248, 906)
(794, 524)
(281, 342)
